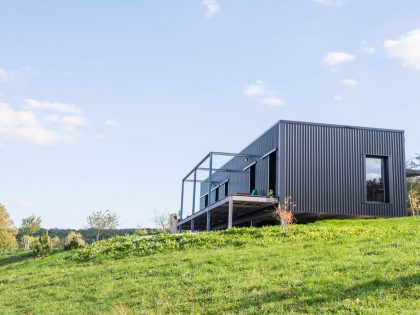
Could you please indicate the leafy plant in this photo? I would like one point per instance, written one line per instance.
(29, 227)
(7, 230)
(102, 220)
(73, 240)
(43, 246)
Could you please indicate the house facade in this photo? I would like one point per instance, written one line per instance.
(328, 170)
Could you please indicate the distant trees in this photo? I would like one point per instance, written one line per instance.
(161, 219)
(29, 227)
(8, 231)
(102, 220)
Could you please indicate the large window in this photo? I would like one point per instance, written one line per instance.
(376, 179)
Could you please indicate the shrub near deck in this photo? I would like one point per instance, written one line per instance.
(362, 267)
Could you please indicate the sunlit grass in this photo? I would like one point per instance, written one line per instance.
(345, 269)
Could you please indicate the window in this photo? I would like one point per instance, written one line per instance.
(216, 194)
(252, 178)
(226, 189)
(272, 172)
(206, 200)
(377, 179)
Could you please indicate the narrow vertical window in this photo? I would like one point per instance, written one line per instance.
(206, 201)
(226, 189)
(272, 172)
(252, 178)
(216, 194)
(377, 179)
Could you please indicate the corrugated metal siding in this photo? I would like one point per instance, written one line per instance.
(323, 168)
(238, 181)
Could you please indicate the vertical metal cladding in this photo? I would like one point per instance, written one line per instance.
(323, 168)
(239, 179)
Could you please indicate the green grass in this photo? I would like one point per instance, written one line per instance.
(330, 267)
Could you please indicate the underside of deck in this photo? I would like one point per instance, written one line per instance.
(233, 210)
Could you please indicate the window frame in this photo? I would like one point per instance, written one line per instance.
(385, 173)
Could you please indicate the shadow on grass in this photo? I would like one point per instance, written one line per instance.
(14, 258)
(302, 299)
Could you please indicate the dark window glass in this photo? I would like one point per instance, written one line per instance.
(226, 189)
(272, 172)
(376, 179)
(251, 178)
(206, 201)
(216, 194)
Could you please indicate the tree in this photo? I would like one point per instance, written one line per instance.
(73, 240)
(102, 220)
(29, 227)
(43, 245)
(7, 230)
(161, 219)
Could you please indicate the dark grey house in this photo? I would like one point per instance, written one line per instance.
(329, 171)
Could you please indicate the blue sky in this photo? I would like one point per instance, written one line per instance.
(107, 104)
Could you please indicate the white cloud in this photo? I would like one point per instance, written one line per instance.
(365, 48)
(4, 75)
(349, 82)
(52, 106)
(257, 88)
(334, 3)
(273, 101)
(111, 123)
(338, 98)
(24, 72)
(34, 127)
(337, 57)
(213, 7)
(268, 97)
(406, 48)
(100, 136)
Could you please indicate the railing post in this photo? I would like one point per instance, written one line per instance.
(194, 189)
(210, 176)
(182, 201)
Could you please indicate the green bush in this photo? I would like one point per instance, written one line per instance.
(73, 240)
(133, 245)
(43, 246)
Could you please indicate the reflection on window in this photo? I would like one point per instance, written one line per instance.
(376, 179)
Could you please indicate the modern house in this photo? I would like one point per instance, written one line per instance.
(328, 170)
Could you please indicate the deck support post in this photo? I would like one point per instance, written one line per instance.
(208, 221)
(192, 225)
(230, 215)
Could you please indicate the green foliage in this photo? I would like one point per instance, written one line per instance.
(330, 267)
(133, 245)
(7, 231)
(102, 220)
(43, 246)
(29, 227)
(73, 240)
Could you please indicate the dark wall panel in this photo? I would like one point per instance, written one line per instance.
(323, 168)
(238, 179)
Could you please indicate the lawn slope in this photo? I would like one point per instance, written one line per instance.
(344, 267)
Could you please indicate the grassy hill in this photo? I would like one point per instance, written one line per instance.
(344, 267)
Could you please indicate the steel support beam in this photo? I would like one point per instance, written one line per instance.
(192, 225)
(210, 176)
(182, 201)
(208, 221)
(230, 215)
(194, 188)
